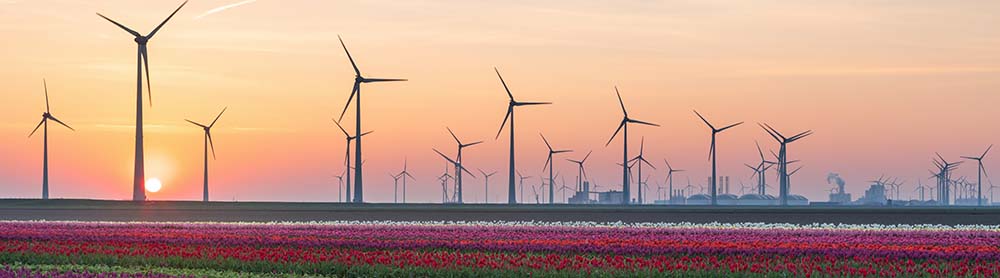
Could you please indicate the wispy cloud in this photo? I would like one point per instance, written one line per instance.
(223, 8)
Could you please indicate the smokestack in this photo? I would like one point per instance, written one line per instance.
(835, 178)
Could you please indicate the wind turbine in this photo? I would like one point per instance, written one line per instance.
(711, 152)
(548, 164)
(670, 178)
(208, 142)
(761, 170)
(139, 180)
(981, 172)
(458, 175)
(487, 175)
(358, 80)
(640, 160)
(395, 187)
(582, 173)
(347, 157)
(45, 141)
(510, 114)
(405, 175)
(624, 124)
(522, 177)
(783, 158)
(340, 187)
(458, 171)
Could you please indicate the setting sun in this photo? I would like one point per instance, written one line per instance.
(153, 185)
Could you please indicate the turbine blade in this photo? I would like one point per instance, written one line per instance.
(547, 161)
(800, 136)
(130, 31)
(341, 128)
(197, 124)
(711, 150)
(37, 126)
(562, 151)
(643, 159)
(510, 110)
(372, 80)
(769, 132)
(210, 143)
(149, 87)
(356, 70)
(987, 151)
(546, 141)
(217, 117)
(445, 157)
(760, 152)
(585, 157)
(704, 120)
(531, 103)
(730, 126)
(776, 132)
(60, 122)
(150, 36)
(366, 133)
(622, 103)
(355, 90)
(46, 85)
(453, 135)
(472, 144)
(616, 132)
(504, 84)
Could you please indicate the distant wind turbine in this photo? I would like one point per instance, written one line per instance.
(510, 115)
(487, 175)
(522, 177)
(458, 169)
(458, 174)
(358, 79)
(405, 174)
(640, 159)
(139, 179)
(347, 157)
(624, 124)
(670, 177)
(711, 153)
(982, 171)
(582, 174)
(783, 158)
(208, 142)
(45, 141)
(548, 164)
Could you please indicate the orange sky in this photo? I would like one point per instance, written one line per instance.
(884, 84)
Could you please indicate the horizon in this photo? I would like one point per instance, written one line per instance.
(883, 86)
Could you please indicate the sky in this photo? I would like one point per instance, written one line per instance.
(884, 84)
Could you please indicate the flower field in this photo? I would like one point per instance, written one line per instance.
(493, 249)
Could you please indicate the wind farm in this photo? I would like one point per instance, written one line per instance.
(885, 152)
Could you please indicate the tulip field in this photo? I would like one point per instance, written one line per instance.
(493, 249)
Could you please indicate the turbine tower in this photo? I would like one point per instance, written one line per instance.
(582, 174)
(486, 195)
(347, 158)
(548, 164)
(711, 153)
(510, 115)
(45, 141)
(358, 79)
(640, 160)
(395, 187)
(783, 158)
(458, 174)
(624, 124)
(982, 171)
(340, 187)
(208, 142)
(139, 179)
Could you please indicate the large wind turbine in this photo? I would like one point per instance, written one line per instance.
(510, 115)
(548, 164)
(639, 159)
(45, 141)
(982, 171)
(458, 174)
(208, 142)
(711, 153)
(458, 170)
(358, 79)
(783, 158)
(582, 173)
(347, 158)
(486, 200)
(139, 179)
(624, 124)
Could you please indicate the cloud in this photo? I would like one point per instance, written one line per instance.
(223, 8)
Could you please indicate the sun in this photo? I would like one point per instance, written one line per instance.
(153, 185)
